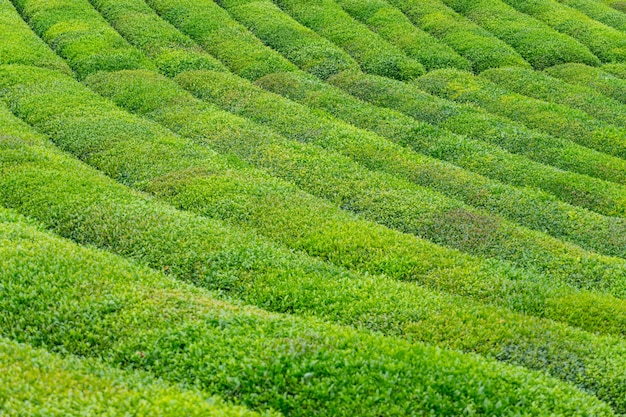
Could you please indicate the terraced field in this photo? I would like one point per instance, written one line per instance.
(312, 208)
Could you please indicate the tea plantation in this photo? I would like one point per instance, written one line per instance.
(312, 208)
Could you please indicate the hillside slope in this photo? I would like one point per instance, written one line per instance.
(328, 207)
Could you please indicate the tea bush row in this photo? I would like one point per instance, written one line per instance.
(600, 11)
(375, 55)
(598, 233)
(481, 48)
(478, 124)
(598, 79)
(554, 119)
(299, 44)
(399, 204)
(93, 304)
(396, 28)
(213, 29)
(605, 42)
(562, 154)
(544, 87)
(85, 49)
(168, 48)
(525, 173)
(145, 320)
(539, 44)
(35, 382)
(385, 199)
(19, 45)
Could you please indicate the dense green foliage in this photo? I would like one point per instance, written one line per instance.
(544, 87)
(534, 40)
(170, 50)
(473, 155)
(98, 212)
(396, 28)
(34, 382)
(214, 30)
(19, 45)
(136, 161)
(298, 43)
(616, 4)
(375, 55)
(462, 242)
(601, 11)
(481, 125)
(299, 123)
(86, 50)
(575, 189)
(138, 319)
(554, 119)
(619, 70)
(598, 79)
(425, 139)
(378, 197)
(482, 49)
(605, 42)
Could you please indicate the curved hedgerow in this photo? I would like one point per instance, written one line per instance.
(599, 79)
(170, 50)
(230, 42)
(550, 118)
(539, 44)
(334, 177)
(414, 209)
(542, 86)
(618, 70)
(478, 157)
(34, 382)
(478, 124)
(561, 153)
(299, 44)
(376, 196)
(375, 55)
(600, 12)
(484, 126)
(396, 28)
(606, 384)
(473, 155)
(482, 49)
(605, 42)
(82, 204)
(93, 304)
(85, 49)
(299, 123)
(136, 94)
(19, 45)
(157, 164)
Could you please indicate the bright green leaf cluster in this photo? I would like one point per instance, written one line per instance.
(375, 55)
(224, 38)
(82, 301)
(80, 203)
(481, 48)
(605, 42)
(395, 27)
(299, 44)
(538, 43)
(481, 125)
(555, 119)
(544, 87)
(34, 382)
(19, 45)
(604, 80)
